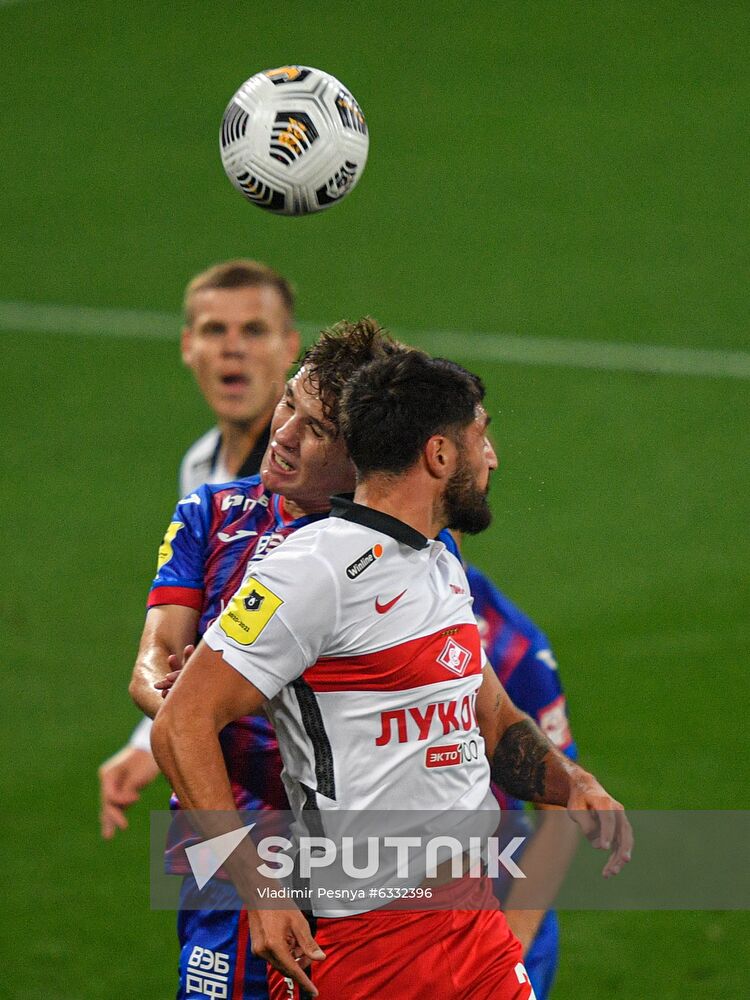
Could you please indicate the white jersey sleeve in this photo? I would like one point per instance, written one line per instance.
(282, 616)
(140, 738)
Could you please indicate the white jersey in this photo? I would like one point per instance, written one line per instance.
(202, 463)
(359, 631)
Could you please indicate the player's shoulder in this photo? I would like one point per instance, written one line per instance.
(198, 460)
(487, 595)
(312, 539)
(208, 501)
(299, 570)
(329, 544)
(353, 552)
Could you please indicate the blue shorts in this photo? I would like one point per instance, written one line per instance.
(215, 957)
(541, 960)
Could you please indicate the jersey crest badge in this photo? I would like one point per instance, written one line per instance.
(249, 611)
(454, 657)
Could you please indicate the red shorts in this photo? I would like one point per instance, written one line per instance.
(416, 955)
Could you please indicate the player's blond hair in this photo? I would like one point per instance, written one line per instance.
(239, 274)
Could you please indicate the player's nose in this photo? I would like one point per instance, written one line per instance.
(287, 434)
(490, 455)
(233, 342)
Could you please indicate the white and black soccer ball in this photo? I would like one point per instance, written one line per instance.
(294, 140)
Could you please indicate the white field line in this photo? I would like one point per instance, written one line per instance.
(29, 317)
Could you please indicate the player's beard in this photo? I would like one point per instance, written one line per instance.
(465, 504)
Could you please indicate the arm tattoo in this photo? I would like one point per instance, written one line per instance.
(518, 763)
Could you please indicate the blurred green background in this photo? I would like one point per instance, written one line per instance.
(574, 171)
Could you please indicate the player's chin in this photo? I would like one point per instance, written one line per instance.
(278, 480)
(241, 408)
(227, 406)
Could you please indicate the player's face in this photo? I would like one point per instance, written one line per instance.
(465, 498)
(239, 346)
(306, 462)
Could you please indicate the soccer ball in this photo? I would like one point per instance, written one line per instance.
(293, 140)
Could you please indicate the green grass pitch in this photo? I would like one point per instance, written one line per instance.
(576, 171)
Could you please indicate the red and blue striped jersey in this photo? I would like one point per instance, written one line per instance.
(214, 534)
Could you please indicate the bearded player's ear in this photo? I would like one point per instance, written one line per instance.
(440, 456)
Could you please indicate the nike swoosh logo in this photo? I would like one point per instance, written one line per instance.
(193, 498)
(382, 608)
(240, 533)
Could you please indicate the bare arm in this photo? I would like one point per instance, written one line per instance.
(525, 763)
(207, 696)
(545, 862)
(168, 630)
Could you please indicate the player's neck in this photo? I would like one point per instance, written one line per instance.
(292, 511)
(239, 439)
(409, 501)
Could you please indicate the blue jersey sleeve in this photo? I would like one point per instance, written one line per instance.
(534, 686)
(521, 656)
(181, 563)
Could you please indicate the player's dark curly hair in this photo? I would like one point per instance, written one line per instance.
(392, 406)
(337, 354)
